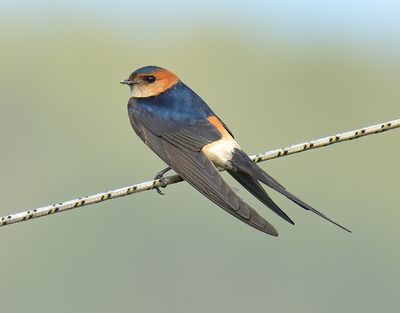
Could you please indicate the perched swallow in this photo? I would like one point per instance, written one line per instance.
(187, 135)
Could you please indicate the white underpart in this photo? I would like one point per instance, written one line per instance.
(220, 152)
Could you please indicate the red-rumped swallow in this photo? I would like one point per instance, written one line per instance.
(187, 135)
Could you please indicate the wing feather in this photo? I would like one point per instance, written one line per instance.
(200, 172)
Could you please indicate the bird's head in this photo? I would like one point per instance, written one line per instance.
(150, 81)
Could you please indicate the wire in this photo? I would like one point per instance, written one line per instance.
(124, 191)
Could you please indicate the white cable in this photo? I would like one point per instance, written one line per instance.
(124, 191)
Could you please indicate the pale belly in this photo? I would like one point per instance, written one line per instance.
(220, 152)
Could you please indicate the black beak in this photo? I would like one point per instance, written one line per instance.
(126, 82)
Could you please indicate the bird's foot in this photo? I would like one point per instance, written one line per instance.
(160, 176)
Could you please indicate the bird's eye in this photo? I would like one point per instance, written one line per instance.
(150, 79)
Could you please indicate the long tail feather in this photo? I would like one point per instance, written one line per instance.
(253, 186)
(242, 163)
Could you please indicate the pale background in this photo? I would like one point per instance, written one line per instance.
(278, 72)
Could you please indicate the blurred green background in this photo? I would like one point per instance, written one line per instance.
(278, 73)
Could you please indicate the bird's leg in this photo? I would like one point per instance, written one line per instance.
(160, 176)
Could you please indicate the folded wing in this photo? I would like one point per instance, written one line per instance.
(200, 172)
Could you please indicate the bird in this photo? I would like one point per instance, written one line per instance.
(179, 126)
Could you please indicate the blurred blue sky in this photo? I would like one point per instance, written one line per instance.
(354, 19)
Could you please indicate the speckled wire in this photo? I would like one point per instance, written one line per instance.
(124, 191)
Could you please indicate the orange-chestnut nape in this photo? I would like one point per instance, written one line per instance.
(164, 80)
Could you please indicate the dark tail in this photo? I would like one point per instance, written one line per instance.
(253, 186)
(243, 163)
